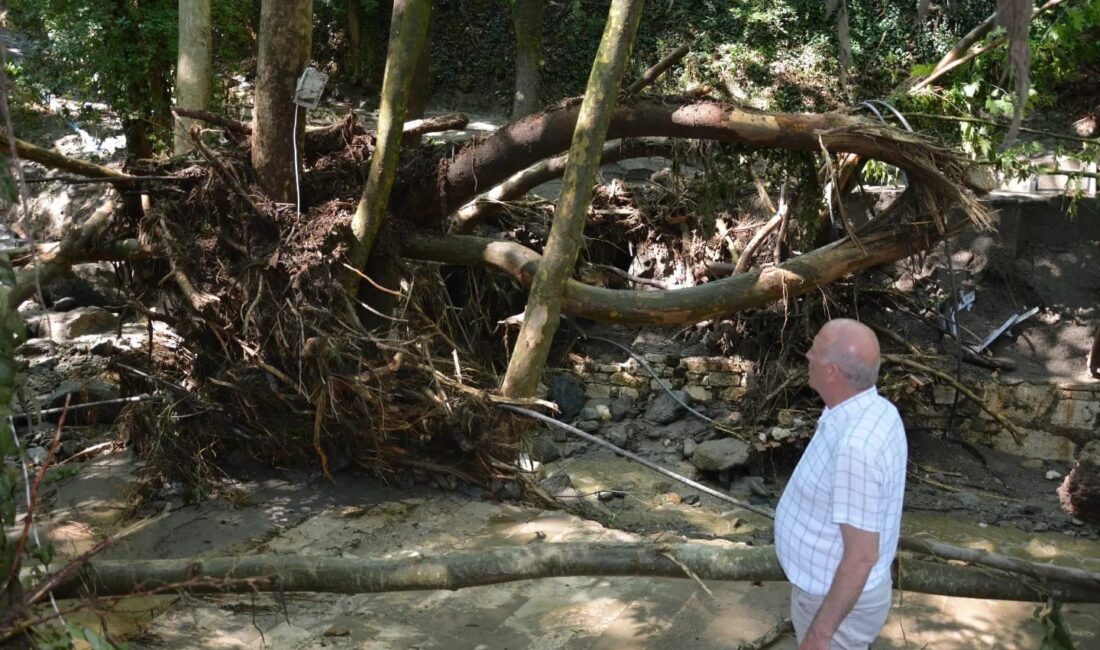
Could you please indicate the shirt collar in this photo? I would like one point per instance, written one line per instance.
(850, 403)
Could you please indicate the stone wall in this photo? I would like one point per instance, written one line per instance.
(703, 378)
(1056, 419)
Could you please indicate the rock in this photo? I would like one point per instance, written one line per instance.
(785, 418)
(620, 407)
(599, 412)
(78, 322)
(664, 409)
(36, 455)
(968, 500)
(68, 292)
(722, 454)
(544, 450)
(558, 485)
(568, 393)
(780, 433)
(589, 426)
(685, 428)
(689, 447)
(617, 434)
(1053, 475)
(84, 393)
(691, 499)
(669, 499)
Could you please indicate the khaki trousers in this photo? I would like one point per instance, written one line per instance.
(862, 624)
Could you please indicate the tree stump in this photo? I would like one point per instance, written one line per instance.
(1080, 491)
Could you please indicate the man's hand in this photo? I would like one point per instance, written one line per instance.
(860, 555)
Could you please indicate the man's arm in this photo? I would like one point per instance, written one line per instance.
(860, 555)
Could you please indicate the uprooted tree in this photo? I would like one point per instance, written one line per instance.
(285, 357)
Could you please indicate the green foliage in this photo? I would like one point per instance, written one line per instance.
(113, 52)
(121, 52)
(1056, 634)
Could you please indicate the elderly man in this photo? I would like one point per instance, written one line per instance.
(837, 525)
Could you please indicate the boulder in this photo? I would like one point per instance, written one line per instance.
(84, 392)
(719, 455)
(80, 321)
(568, 393)
(620, 407)
(664, 409)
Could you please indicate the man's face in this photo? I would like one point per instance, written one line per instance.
(818, 369)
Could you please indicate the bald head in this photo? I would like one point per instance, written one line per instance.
(853, 347)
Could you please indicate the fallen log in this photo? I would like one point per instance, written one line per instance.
(54, 160)
(693, 304)
(458, 570)
(486, 162)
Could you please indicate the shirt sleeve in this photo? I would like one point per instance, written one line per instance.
(859, 497)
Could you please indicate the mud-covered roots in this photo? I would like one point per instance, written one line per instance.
(280, 365)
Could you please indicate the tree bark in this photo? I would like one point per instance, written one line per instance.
(486, 163)
(11, 334)
(543, 310)
(421, 89)
(54, 160)
(527, 17)
(693, 304)
(463, 569)
(651, 74)
(193, 70)
(519, 184)
(408, 31)
(286, 30)
(354, 60)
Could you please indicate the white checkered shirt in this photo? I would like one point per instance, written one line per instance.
(852, 472)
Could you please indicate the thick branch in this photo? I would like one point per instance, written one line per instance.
(959, 54)
(463, 569)
(651, 74)
(693, 304)
(486, 163)
(240, 128)
(520, 183)
(78, 246)
(435, 124)
(1051, 572)
(53, 160)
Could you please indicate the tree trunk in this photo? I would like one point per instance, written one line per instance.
(487, 162)
(540, 319)
(354, 61)
(527, 15)
(11, 334)
(193, 70)
(463, 569)
(408, 30)
(421, 89)
(137, 138)
(286, 30)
